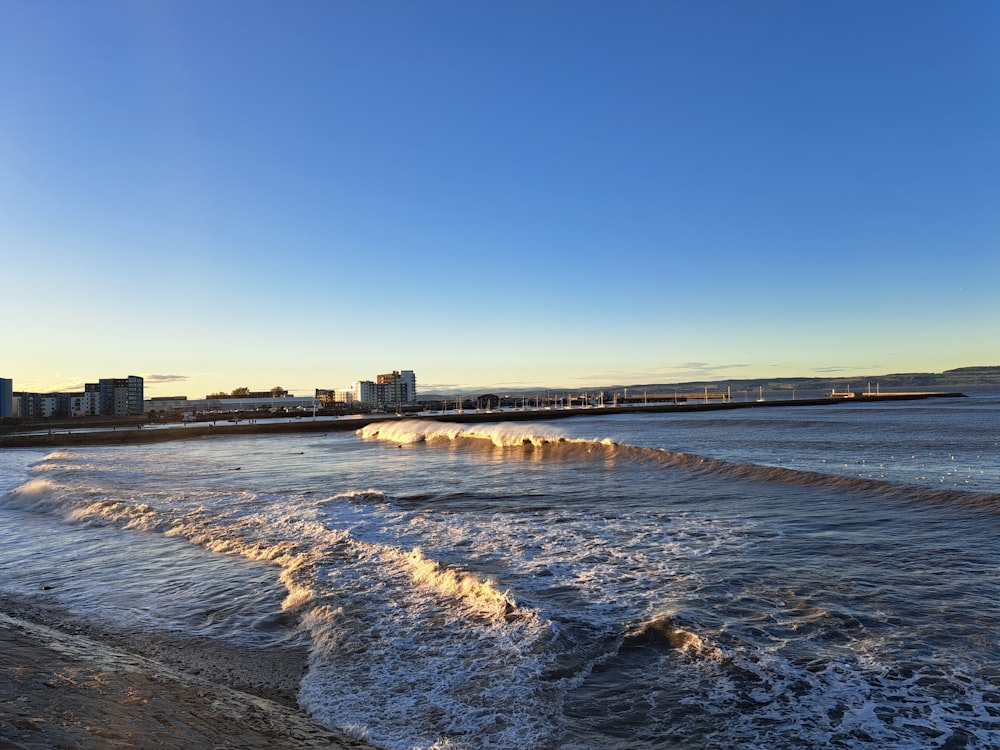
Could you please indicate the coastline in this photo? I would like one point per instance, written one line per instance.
(31, 438)
(65, 684)
(156, 697)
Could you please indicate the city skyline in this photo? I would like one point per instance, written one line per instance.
(559, 194)
(954, 376)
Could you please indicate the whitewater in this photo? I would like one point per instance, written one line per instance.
(758, 578)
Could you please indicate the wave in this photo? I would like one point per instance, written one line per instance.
(557, 446)
(881, 487)
(297, 545)
(481, 596)
(386, 621)
(662, 631)
(53, 456)
(34, 495)
(502, 435)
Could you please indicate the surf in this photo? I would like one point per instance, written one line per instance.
(544, 441)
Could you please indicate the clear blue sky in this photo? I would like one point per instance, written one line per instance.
(496, 194)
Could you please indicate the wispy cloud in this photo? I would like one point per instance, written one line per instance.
(467, 388)
(667, 373)
(155, 378)
(833, 369)
(68, 388)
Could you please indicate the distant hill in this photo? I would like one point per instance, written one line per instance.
(987, 375)
(960, 376)
(895, 381)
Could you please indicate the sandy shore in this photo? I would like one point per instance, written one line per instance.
(64, 685)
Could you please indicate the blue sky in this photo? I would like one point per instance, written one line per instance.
(221, 194)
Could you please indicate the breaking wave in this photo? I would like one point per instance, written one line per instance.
(662, 631)
(556, 445)
(438, 626)
(502, 435)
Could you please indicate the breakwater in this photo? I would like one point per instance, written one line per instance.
(132, 433)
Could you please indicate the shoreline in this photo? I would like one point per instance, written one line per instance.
(65, 683)
(134, 434)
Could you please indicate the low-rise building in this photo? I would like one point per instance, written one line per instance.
(229, 404)
(360, 392)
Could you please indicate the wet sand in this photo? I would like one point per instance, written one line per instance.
(65, 685)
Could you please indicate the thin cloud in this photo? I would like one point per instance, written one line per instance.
(687, 371)
(465, 387)
(155, 378)
(846, 368)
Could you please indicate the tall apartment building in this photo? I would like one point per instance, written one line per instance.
(120, 396)
(6, 398)
(396, 387)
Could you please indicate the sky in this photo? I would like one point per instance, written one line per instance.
(495, 194)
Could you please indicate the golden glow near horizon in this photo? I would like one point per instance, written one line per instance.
(209, 218)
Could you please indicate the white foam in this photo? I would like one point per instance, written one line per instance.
(38, 492)
(437, 628)
(59, 454)
(503, 434)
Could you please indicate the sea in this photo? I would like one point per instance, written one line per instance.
(808, 576)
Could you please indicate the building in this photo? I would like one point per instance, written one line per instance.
(120, 396)
(360, 392)
(396, 388)
(54, 405)
(87, 403)
(344, 396)
(109, 397)
(6, 398)
(365, 391)
(29, 405)
(215, 404)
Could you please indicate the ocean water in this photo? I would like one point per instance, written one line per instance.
(819, 576)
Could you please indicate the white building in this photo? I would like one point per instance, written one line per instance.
(364, 391)
(397, 387)
(86, 404)
(50, 404)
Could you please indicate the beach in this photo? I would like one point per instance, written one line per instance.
(64, 685)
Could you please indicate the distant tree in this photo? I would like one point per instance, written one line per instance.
(220, 394)
(241, 392)
(278, 392)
